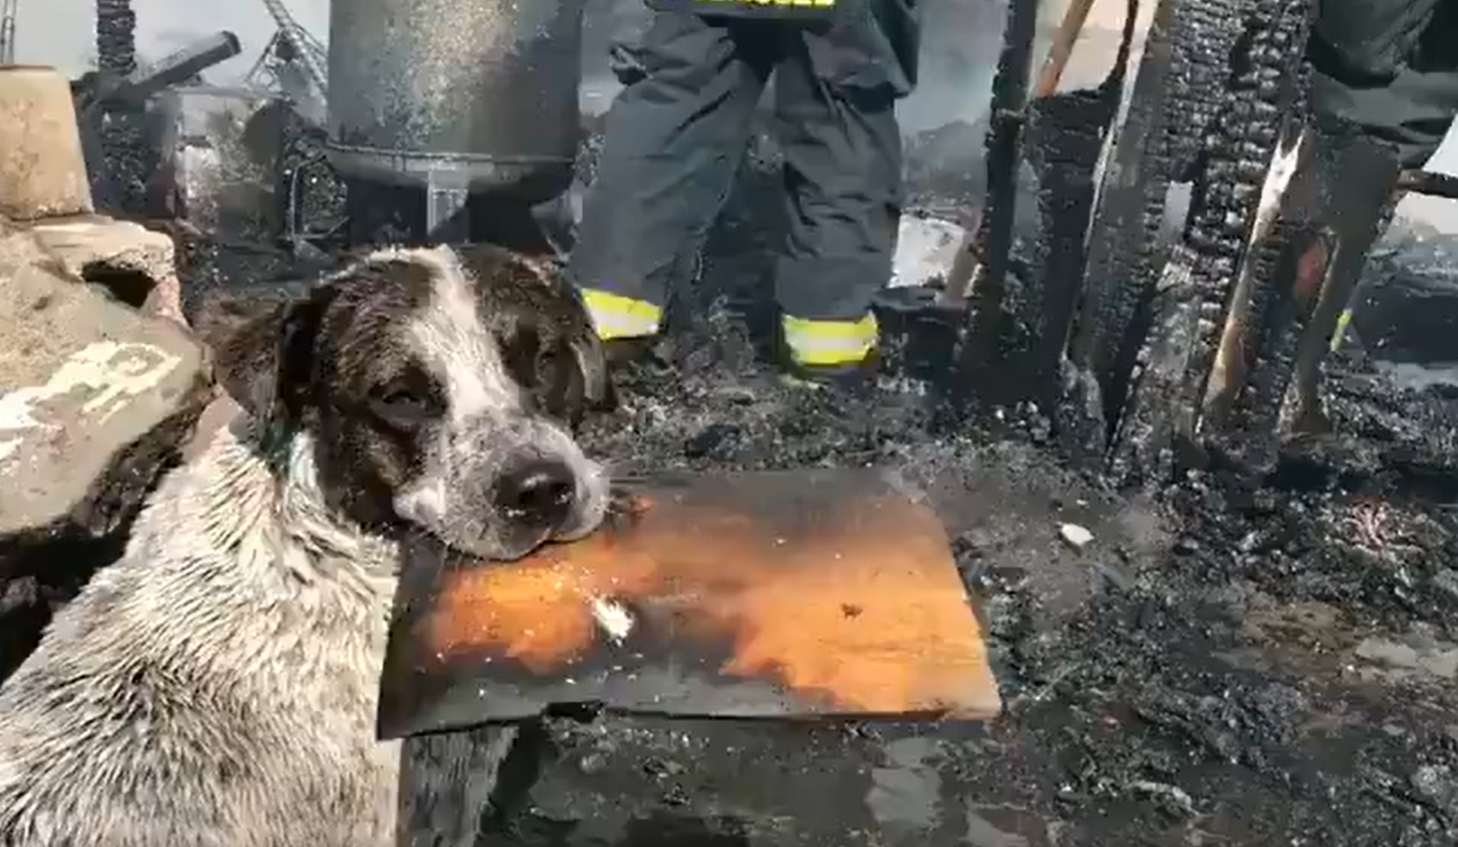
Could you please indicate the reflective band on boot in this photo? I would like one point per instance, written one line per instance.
(1341, 329)
(829, 344)
(615, 316)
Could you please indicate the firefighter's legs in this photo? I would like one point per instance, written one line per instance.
(842, 177)
(672, 141)
(1387, 69)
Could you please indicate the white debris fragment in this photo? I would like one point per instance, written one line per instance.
(1075, 536)
(926, 249)
(613, 617)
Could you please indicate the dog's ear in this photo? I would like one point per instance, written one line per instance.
(598, 394)
(265, 364)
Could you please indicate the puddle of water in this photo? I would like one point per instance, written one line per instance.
(905, 794)
(1415, 377)
(982, 832)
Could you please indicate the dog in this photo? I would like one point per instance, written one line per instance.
(216, 686)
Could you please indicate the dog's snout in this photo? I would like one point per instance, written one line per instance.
(539, 492)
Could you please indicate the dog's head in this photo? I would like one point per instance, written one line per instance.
(440, 388)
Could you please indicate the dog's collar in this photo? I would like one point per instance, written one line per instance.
(276, 443)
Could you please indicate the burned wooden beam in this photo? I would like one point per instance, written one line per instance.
(1004, 159)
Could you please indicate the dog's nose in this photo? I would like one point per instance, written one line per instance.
(539, 493)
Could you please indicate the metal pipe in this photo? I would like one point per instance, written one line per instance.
(176, 68)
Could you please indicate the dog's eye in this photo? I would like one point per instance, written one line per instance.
(547, 362)
(400, 406)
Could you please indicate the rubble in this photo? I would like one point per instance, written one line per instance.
(100, 382)
(94, 400)
(137, 265)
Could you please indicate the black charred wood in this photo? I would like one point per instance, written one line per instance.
(1258, 95)
(1144, 446)
(1064, 139)
(1126, 233)
(1004, 158)
(1202, 35)
(1279, 315)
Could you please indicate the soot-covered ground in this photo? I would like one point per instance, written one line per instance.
(1220, 666)
(1223, 667)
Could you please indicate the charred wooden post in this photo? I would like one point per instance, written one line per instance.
(1066, 139)
(1290, 271)
(1066, 136)
(1262, 97)
(1004, 159)
(1203, 35)
(1193, 297)
(1124, 236)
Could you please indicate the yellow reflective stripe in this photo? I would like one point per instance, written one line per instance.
(829, 343)
(1341, 329)
(616, 316)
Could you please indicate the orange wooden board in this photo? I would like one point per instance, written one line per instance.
(758, 595)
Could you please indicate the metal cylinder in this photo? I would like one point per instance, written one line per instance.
(458, 95)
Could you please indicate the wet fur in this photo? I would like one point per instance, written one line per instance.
(216, 687)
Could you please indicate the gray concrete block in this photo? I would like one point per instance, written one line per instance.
(96, 400)
(133, 262)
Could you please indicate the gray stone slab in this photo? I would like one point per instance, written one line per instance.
(118, 255)
(95, 399)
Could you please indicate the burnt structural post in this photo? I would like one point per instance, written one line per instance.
(123, 142)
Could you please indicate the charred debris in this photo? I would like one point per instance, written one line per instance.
(239, 162)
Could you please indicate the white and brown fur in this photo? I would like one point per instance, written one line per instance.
(216, 687)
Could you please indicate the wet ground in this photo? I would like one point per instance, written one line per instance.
(1223, 665)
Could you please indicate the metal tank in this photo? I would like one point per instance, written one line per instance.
(457, 97)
